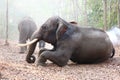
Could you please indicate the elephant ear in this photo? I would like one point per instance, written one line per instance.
(62, 28)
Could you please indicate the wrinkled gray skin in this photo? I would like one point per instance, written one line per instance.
(26, 28)
(81, 45)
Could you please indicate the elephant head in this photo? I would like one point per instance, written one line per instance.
(49, 32)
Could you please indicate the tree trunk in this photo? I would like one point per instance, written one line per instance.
(75, 10)
(6, 40)
(85, 12)
(105, 14)
(110, 10)
(119, 13)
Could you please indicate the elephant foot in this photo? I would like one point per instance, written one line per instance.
(41, 64)
(41, 61)
(21, 52)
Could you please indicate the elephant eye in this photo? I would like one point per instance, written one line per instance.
(44, 28)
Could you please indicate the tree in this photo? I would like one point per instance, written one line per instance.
(6, 40)
(75, 9)
(105, 14)
(85, 12)
(119, 13)
(95, 13)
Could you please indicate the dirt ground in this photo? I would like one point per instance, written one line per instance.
(14, 67)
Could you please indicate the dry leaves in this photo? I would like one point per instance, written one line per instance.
(14, 67)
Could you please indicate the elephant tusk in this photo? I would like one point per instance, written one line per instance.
(29, 43)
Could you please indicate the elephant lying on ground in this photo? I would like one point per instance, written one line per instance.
(81, 45)
(26, 28)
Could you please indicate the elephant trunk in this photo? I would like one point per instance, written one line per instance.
(35, 38)
(30, 58)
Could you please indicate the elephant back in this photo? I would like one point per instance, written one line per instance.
(32, 27)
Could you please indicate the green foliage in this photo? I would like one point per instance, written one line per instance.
(96, 12)
(95, 16)
(112, 14)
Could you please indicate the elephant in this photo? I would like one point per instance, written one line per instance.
(71, 42)
(26, 28)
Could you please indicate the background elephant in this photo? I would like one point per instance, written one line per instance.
(81, 45)
(26, 28)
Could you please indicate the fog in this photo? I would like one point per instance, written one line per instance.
(90, 13)
(38, 10)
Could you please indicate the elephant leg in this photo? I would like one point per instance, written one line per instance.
(42, 50)
(23, 49)
(22, 40)
(58, 58)
(41, 61)
(41, 44)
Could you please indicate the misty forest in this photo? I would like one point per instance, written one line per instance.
(99, 14)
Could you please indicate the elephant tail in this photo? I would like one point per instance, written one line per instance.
(113, 53)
